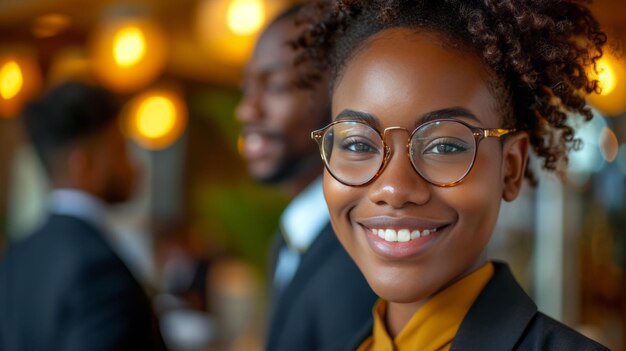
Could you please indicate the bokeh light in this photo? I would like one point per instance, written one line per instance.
(20, 79)
(608, 144)
(11, 80)
(156, 119)
(129, 46)
(606, 76)
(245, 17)
(611, 75)
(128, 53)
(227, 29)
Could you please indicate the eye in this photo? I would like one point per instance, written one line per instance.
(278, 87)
(446, 146)
(358, 145)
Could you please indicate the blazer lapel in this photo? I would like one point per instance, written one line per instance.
(498, 317)
(309, 264)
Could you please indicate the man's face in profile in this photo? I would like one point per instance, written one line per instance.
(277, 116)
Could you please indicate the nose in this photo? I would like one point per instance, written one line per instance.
(249, 109)
(399, 185)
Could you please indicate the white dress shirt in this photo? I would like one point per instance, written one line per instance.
(301, 223)
(79, 204)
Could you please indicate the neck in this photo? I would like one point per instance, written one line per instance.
(399, 314)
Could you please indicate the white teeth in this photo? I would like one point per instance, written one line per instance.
(415, 234)
(390, 235)
(402, 235)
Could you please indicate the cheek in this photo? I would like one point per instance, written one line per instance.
(477, 199)
(340, 199)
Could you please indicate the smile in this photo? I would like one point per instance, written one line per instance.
(401, 238)
(402, 235)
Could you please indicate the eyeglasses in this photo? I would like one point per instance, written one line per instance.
(442, 151)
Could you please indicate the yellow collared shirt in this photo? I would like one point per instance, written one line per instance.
(433, 326)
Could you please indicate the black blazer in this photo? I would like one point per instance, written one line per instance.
(503, 318)
(63, 288)
(327, 300)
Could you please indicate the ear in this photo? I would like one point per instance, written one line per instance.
(515, 158)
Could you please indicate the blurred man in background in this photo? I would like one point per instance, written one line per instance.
(64, 288)
(319, 295)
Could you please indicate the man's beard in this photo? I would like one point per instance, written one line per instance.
(290, 169)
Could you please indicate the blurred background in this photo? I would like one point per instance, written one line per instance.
(197, 234)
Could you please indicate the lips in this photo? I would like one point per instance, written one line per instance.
(402, 238)
(257, 143)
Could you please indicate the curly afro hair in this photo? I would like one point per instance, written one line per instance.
(539, 51)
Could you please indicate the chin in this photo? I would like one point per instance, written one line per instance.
(401, 284)
(273, 176)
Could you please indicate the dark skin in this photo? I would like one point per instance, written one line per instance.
(399, 76)
(277, 116)
(98, 164)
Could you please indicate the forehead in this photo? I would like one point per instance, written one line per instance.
(272, 49)
(402, 74)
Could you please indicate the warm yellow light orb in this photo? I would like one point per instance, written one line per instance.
(128, 53)
(245, 17)
(228, 29)
(606, 76)
(20, 78)
(11, 80)
(156, 117)
(611, 75)
(129, 46)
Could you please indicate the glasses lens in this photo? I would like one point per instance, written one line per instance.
(443, 152)
(353, 152)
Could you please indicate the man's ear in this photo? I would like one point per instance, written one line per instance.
(515, 159)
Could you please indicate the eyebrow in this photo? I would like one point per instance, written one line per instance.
(352, 115)
(448, 113)
(372, 120)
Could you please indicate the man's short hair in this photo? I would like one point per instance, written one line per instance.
(65, 114)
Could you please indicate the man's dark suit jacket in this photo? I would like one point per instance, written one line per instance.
(503, 318)
(63, 288)
(327, 300)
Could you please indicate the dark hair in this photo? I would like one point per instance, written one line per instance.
(538, 50)
(288, 13)
(66, 114)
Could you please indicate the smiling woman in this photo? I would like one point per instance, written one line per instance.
(463, 89)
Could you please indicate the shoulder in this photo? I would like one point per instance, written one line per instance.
(63, 250)
(545, 333)
(59, 232)
(503, 317)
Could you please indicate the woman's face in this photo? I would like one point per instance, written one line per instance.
(397, 78)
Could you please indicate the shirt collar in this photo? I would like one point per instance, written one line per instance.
(78, 204)
(305, 217)
(435, 324)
